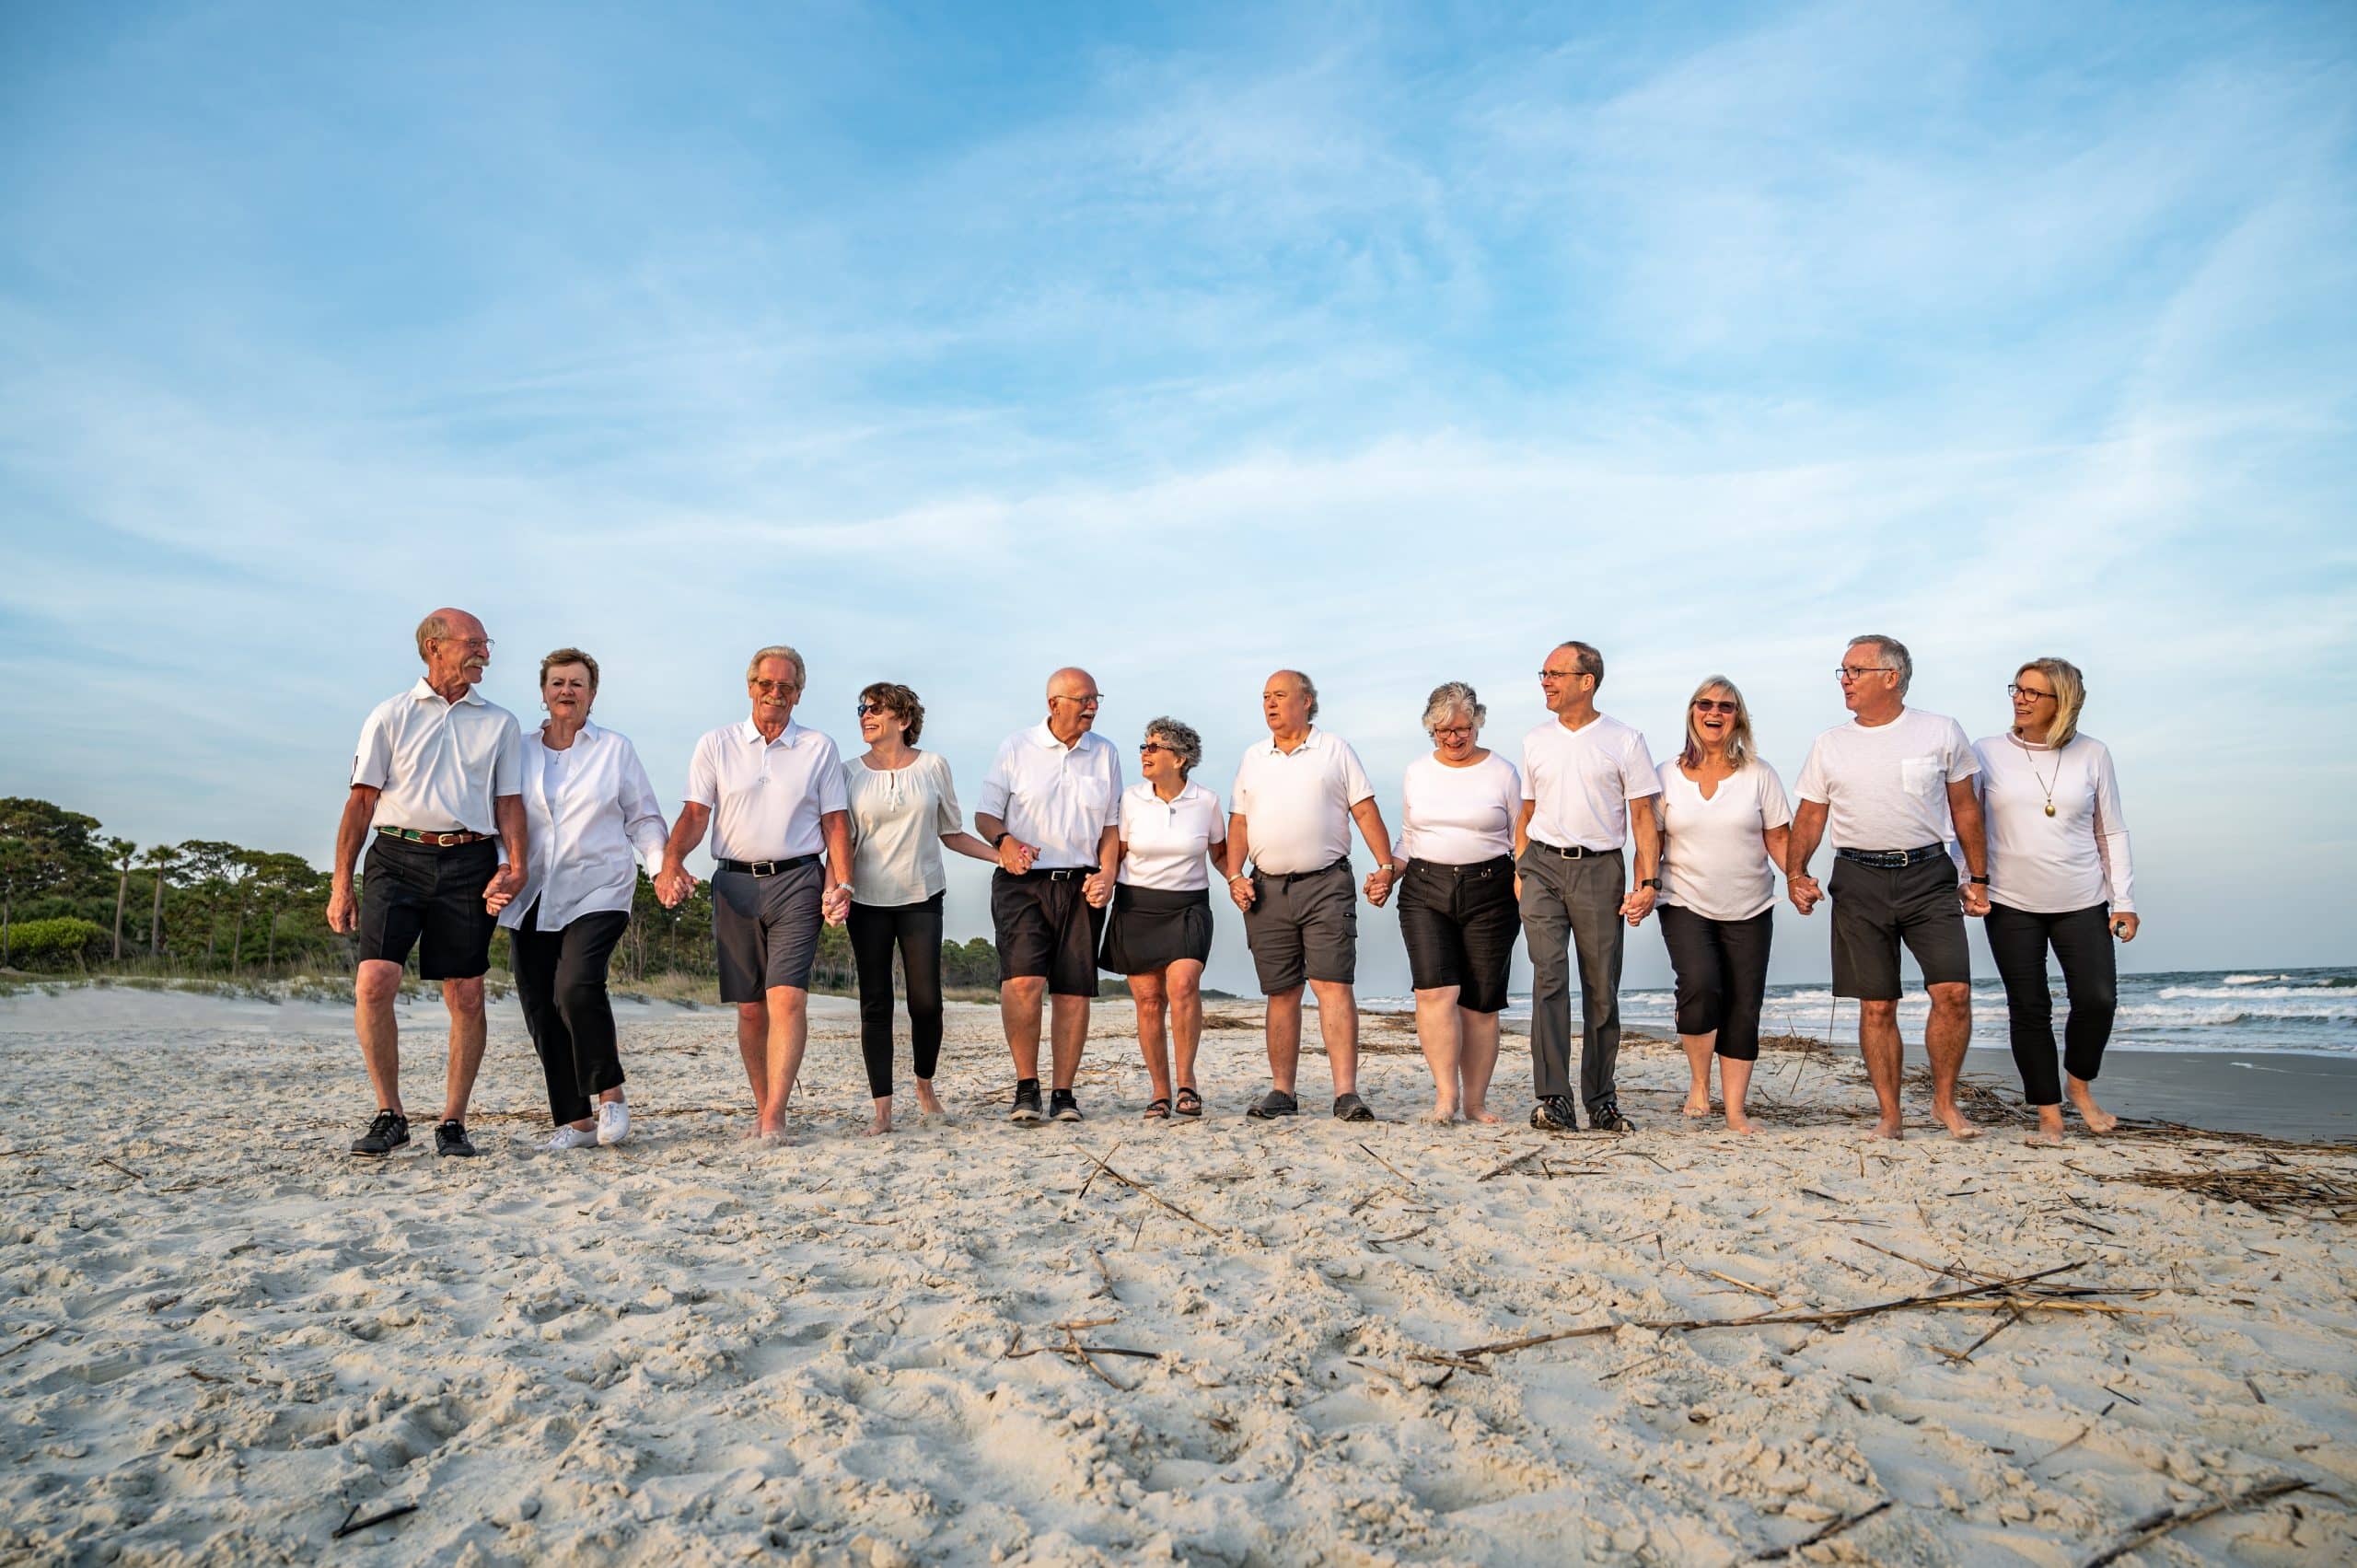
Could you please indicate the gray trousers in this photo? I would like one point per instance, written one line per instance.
(1567, 906)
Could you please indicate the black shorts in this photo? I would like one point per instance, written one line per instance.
(766, 930)
(1046, 930)
(414, 895)
(1154, 927)
(1876, 909)
(1303, 928)
(1460, 923)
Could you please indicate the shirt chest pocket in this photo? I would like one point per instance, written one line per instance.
(1921, 776)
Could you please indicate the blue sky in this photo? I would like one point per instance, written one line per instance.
(953, 343)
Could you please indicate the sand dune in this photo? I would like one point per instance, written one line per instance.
(224, 1336)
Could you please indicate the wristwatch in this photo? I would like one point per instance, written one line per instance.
(1653, 882)
(1001, 837)
(1978, 881)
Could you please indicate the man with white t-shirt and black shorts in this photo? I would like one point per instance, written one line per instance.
(1296, 798)
(1587, 790)
(1891, 785)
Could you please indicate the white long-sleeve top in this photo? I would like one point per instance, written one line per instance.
(587, 806)
(2076, 858)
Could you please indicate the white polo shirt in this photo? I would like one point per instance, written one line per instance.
(1163, 840)
(766, 796)
(1296, 804)
(1058, 798)
(1459, 816)
(1884, 787)
(1583, 780)
(589, 806)
(438, 766)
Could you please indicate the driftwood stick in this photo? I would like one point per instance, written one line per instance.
(33, 1338)
(1156, 1197)
(2155, 1526)
(1741, 1284)
(120, 1166)
(1779, 1553)
(1518, 1159)
(1389, 1166)
(353, 1527)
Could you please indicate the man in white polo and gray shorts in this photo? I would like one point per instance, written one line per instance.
(1290, 813)
(772, 793)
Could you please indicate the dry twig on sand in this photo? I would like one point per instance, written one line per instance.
(2306, 1193)
(1779, 1553)
(352, 1526)
(1523, 1159)
(1136, 1186)
(2155, 1526)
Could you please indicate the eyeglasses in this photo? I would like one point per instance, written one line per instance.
(1146, 746)
(1446, 730)
(1848, 673)
(776, 688)
(867, 708)
(2028, 691)
(1558, 674)
(1094, 699)
(482, 645)
(1705, 705)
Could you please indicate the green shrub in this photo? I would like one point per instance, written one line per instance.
(61, 944)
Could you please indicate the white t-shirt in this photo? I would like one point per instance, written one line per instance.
(438, 766)
(1296, 804)
(1163, 840)
(1886, 786)
(1459, 816)
(1058, 798)
(587, 806)
(2076, 858)
(1583, 780)
(898, 816)
(1715, 862)
(766, 796)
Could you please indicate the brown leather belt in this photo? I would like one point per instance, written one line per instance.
(438, 840)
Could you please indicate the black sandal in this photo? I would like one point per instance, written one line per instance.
(1190, 1103)
(1157, 1110)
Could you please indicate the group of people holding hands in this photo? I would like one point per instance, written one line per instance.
(471, 824)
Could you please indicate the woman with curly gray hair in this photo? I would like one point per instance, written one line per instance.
(1457, 902)
(1160, 932)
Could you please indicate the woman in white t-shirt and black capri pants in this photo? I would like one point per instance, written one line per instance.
(1725, 825)
(2058, 877)
(1159, 933)
(1458, 911)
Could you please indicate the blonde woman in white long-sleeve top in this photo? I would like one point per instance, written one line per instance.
(2060, 877)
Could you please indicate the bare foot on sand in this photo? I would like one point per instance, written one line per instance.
(1482, 1113)
(2097, 1119)
(1954, 1121)
(928, 1103)
(1696, 1105)
(2042, 1139)
(1890, 1127)
(1739, 1122)
(772, 1134)
(883, 1122)
(1442, 1113)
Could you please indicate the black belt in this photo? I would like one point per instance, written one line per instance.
(1290, 878)
(1577, 851)
(451, 840)
(1502, 866)
(767, 867)
(1893, 859)
(1055, 873)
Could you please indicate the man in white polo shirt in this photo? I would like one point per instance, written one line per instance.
(438, 793)
(1290, 813)
(1587, 789)
(772, 793)
(1893, 785)
(1052, 807)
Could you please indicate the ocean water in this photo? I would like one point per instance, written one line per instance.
(2312, 1011)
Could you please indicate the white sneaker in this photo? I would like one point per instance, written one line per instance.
(569, 1138)
(614, 1123)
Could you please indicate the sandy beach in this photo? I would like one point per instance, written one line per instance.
(225, 1339)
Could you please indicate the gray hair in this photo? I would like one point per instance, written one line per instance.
(1893, 652)
(1308, 687)
(432, 629)
(779, 650)
(1179, 737)
(1453, 697)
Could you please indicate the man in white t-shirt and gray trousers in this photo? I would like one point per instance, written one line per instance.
(1588, 785)
(437, 790)
(1296, 798)
(1891, 785)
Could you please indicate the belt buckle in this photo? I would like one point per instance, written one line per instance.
(763, 868)
(444, 840)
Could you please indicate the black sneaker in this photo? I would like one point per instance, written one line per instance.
(450, 1139)
(1062, 1107)
(1273, 1104)
(1554, 1113)
(1606, 1118)
(389, 1132)
(1350, 1108)
(1026, 1099)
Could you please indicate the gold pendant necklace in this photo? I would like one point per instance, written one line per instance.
(2043, 782)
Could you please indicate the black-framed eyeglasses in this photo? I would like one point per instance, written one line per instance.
(1452, 729)
(1849, 672)
(2012, 691)
(1560, 674)
(1706, 705)
(1095, 700)
(776, 688)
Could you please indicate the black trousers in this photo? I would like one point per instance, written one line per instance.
(2082, 943)
(875, 928)
(1722, 968)
(560, 980)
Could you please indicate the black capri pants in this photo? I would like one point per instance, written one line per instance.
(876, 929)
(1460, 923)
(2081, 942)
(561, 980)
(1722, 968)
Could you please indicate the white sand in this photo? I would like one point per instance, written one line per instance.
(694, 1349)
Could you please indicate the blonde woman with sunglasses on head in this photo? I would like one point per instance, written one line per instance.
(2059, 878)
(1726, 824)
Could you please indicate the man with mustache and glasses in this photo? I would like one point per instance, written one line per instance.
(771, 794)
(437, 794)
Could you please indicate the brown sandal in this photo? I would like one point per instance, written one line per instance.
(1190, 1103)
(1157, 1110)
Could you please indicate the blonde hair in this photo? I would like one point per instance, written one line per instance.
(778, 650)
(2070, 696)
(570, 655)
(1739, 738)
